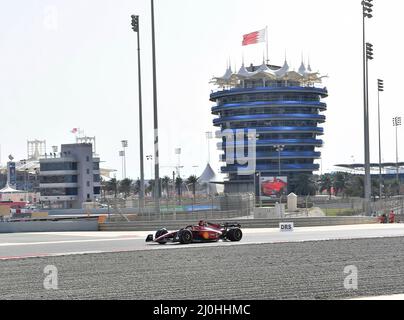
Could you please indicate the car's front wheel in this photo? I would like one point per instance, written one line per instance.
(185, 236)
(234, 234)
(160, 233)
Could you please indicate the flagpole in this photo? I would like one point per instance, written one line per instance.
(266, 40)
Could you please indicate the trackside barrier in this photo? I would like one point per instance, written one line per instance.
(248, 223)
(49, 226)
(53, 219)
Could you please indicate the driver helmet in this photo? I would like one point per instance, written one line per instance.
(201, 223)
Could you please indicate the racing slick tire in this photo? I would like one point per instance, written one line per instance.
(234, 234)
(159, 233)
(185, 236)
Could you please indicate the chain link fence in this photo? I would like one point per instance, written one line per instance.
(227, 206)
(230, 206)
(355, 206)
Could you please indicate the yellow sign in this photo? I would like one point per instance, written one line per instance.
(4, 211)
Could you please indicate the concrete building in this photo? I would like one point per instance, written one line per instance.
(70, 178)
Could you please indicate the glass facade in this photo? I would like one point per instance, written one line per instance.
(58, 179)
(53, 192)
(283, 113)
(58, 166)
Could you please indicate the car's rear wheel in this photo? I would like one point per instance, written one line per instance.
(160, 233)
(185, 236)
(234, 234)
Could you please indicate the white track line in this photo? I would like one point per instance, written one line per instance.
(63, 241)
(49, 255)
(391, 297)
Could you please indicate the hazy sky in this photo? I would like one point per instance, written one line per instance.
(73, 63)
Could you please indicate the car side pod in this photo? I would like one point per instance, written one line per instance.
(149, 238)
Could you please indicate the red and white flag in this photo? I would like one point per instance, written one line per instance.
(254, 37)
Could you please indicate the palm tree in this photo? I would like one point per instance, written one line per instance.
(192, 180)
(326, 183)
(375, 188)
(355, 186)
(112, 185)
(340, 180)
(125, 186)
(178, 185)
(136, 186)
(305, 185)
(150, 187)
(166, 184)
(103, 187)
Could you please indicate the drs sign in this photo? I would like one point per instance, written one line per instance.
(286, 226)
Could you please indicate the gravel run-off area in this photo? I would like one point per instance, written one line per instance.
(307, 270)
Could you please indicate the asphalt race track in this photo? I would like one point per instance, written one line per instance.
(266, 264)
(22, 245)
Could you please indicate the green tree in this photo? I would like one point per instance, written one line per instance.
(340, 181)
(136, 186)
(355, 186)
(103, 187)
(166, 184)
(305, 185)
(391, 187)
(112, 186)
(375, 188)
(193, 180)
(150, 187)
(326, 183)
(178, 186)
(125, 186)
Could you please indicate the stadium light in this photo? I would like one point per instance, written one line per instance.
(135, 27)
(279, 148)
(380, 87)
(367, 55)
(135, 23)
(396, 124)
(155, 116)
(369, 51)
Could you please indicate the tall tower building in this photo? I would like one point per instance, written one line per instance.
(285, 109)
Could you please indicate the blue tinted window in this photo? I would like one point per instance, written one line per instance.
(59, 192)
(58, 179)
(58, 166)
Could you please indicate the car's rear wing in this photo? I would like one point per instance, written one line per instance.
(231, 225)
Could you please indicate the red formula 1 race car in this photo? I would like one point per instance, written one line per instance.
(203, 232)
